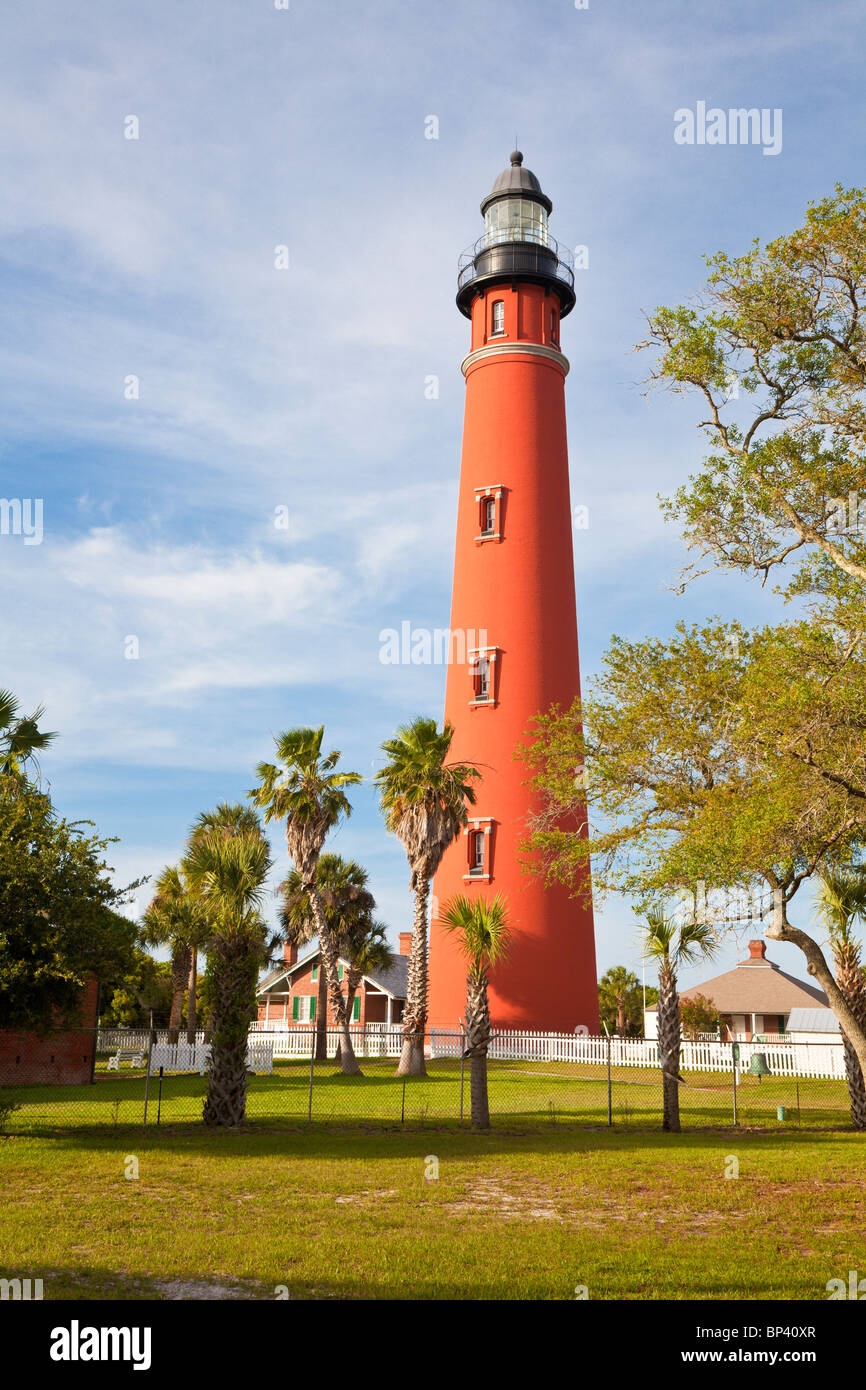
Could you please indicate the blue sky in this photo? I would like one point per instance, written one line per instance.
(304, 388)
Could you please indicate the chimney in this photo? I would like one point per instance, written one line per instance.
(757, 950)
(405, 943)
(290, 953)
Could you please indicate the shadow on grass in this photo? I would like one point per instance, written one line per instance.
(99, 1283)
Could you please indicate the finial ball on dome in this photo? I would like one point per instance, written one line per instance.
(516, 157)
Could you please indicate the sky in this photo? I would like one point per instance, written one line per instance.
(242, 476)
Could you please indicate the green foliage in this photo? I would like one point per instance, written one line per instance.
(717, 756)
(145, 986)
(58, 918)
(621, 1001)
(20, 736)
(482, 929)
(304, 788)
(775, 348)
(422, 796)
(699, 1015)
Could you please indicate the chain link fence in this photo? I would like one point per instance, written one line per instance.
(103, 1082)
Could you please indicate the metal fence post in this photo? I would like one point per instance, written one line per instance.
(609, 1086)
(735, 1057)
(403, 1107)
(159, 1101)
(147, 1077)
(312, 1070)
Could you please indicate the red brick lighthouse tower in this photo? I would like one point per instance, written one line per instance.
(513, 583)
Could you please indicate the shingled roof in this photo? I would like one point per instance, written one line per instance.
(757, 986)
(393, 980)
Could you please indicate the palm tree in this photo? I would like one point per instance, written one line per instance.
(304, 789)
(345, 898)
(614, 989)
(484, 935)
(20, 736)
(841, 902)
(365, 947)
(673, 946)
(423, 799)
(228, 874)
(172, 919)
(228, 818)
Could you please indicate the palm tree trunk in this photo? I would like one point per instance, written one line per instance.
(191, 1005)
(353, 979)
(415, 1011)
(235, 970)
(852, 984)
(477, 1043)
(179, 973)
(348, 1061)
(669, 1047)
(322, 1016)
(780, 929)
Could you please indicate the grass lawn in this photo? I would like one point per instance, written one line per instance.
(349, 1213)
(534, 1094)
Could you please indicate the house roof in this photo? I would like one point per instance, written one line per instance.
(813, 1021)
(392, 980)
(756, 986)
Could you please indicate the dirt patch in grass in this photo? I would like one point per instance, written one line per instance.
(176, 1289)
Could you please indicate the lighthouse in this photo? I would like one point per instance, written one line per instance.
(514, 596)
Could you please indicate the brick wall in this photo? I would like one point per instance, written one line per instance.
(63, 1058)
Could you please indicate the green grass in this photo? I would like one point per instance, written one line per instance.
(529, 1095)
(349, 1214)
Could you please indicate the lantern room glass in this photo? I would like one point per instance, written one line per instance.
(515, 219)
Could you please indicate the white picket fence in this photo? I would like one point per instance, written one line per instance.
(376, 1040)
(381, 1040)
(184, 1056)
(109, 1039)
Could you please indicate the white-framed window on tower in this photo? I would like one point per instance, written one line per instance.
(497, 320)
(482, 679)
(476, 853)
(484, 670)
(479, 849)
(489, 501)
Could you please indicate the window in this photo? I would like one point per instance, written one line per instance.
(484, 669)
(314, 974)
(498, 316)
(482, 678)
(304, 1008)
(476, 853)
(515, 219)
(340, 971)
(488, 516)
(553, 325)
(356, 1008)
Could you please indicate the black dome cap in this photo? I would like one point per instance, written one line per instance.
(517, 182)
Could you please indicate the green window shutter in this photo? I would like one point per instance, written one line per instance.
(315, 974)
(312, 1008)
(356, 1009)
(340, 971)
(295, 1004)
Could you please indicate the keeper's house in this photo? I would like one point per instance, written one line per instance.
(755, 1000)
(289, 997)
